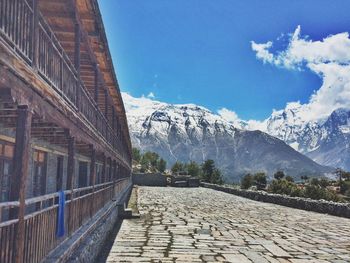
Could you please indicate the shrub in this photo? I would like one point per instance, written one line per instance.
(136, 154)
(313, 190)
(283, 186)
(316, 192)
(161, 165)
(177, 167)
(247, 181)
(260, 181)
(344, 186)
(193, 169)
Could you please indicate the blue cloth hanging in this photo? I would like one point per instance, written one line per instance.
(60, 216)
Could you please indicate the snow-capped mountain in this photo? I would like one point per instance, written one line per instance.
(326, 140)
(190, 132)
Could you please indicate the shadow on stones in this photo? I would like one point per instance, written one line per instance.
(107, 246)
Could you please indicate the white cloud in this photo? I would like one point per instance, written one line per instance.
(228, 115)
(329, 58)
(262, 51)
(151, 95)
(256, 125)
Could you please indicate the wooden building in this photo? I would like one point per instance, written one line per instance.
(62, 123)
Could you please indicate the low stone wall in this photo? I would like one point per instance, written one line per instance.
(153, 179)
(320, 206)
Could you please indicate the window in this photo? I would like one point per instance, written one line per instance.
(83, 170)
(6, 159)
(59, 174)
(39, 178)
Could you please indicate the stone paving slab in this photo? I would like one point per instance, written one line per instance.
(204, 225)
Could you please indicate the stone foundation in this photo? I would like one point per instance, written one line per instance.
(320, 206)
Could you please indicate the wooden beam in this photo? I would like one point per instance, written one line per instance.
(20, 173)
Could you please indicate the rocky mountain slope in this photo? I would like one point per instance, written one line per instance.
(190, 132)
(326, 141)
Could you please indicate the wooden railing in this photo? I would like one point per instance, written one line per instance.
(40, 226)
(25, 30)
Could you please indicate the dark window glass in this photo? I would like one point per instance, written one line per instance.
(39, 178)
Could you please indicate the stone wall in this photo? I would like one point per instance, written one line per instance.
(320, 206)
(153, 179)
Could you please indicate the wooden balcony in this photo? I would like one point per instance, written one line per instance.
(40, 226)
(25, 32)
(45, 97)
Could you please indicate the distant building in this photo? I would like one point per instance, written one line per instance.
(62, 123)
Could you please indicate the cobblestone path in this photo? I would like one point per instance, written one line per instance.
(203, 225)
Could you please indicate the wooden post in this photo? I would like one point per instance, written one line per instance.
(114, 175)
(106, 103)
(92, 177)
(104, 169)
(92, 167)
(20, 173)
(113, 118)
(97, 83)
(35, 35)
(70, 179)
(110, 170)
(77, 63)
(77, 48)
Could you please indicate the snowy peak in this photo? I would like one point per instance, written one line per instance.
(189, 132)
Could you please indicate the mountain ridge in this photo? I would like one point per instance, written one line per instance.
(190, 132)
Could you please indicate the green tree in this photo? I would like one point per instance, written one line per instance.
(289, 178)
(260, 180)
(346, 176)
(161, 165)
(152, 159)
(339, 172)
(136, 154)
(177, 167)
(144, 164)
(304, 178)
(216, 177)
(208, 168)
(193, 169)
(247, 181)
(279, 175)
(210, 173)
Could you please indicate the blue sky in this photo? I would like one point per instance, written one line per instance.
(199, 51)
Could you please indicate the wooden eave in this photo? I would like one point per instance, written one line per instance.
(62, 16)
